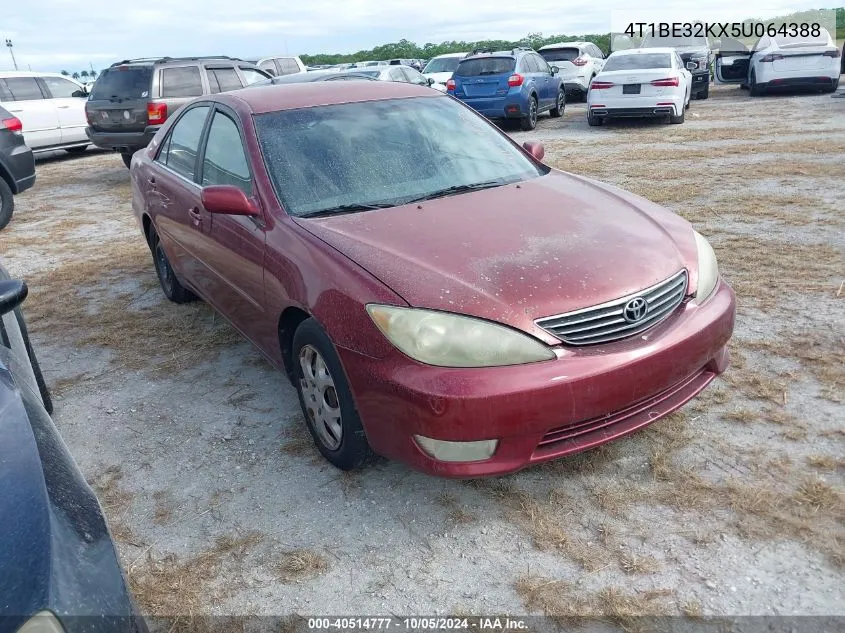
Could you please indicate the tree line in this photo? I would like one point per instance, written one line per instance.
(82, 74)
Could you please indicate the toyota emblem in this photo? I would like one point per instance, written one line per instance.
(635, 310)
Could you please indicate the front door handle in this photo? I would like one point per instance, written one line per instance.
(63, 107)
(195, 215)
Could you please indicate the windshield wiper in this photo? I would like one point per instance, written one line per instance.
(451, 191)
(349, 208)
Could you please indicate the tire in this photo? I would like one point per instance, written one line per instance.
(170, 285)
(755, 89)
(7, 203)
(79, 149)
(594, 121)
(322, 387)
(46, 400)
(529, 122)
(560, 106)
(677, 119)
(703, 94)
(127, 159)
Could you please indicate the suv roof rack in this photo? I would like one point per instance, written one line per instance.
(155, 60)
(479, 51)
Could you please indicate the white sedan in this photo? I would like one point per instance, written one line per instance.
(781, 62)
(641, 82)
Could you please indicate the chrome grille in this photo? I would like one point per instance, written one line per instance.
(608, 321)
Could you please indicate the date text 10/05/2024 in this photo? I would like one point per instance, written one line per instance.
(417, 623)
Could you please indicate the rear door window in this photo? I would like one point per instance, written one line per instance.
(269, 66)
(180, 151)
(61, 88)
(485, 66)
(181, 81)
(223, 79)
(225, 161)
(251, 75)
(287, 66)
(23, 88)
(123, 82)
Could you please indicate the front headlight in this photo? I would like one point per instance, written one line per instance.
(701, 61)
(708, 269)
(451, 340)
(42, 622)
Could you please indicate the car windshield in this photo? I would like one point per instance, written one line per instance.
(442, 65)
(656, 41)
(383, 153)
(560, 54)
(485, 66)
(638, 62)
(125, 82)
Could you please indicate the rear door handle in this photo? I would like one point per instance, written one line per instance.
(195, 215)
(64, 107)
(152, 180)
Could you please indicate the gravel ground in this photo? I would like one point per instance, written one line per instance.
(220, 505)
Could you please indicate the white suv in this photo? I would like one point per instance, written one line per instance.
(51, 108)
(577, 63)
(281, 65)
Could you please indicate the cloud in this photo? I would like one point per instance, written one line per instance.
(53, 34)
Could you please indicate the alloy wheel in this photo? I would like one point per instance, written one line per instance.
(165, 272)
(320, 397)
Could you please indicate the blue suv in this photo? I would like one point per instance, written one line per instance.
(516, 84)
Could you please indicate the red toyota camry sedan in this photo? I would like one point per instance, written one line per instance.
(435, 293)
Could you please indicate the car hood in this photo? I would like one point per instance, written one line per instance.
(687, 52)
(519, 252)
(441, 78)
(55, 549)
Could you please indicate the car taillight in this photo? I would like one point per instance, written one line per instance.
(450, 84)
(669, 81)
(601, 85)
(13, 124)
(580, 61)
(156, 112)
(771, 57)
(515, 80)
(834, 53)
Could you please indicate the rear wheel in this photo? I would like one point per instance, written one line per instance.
(560, 105)
(679, 118)
(529, 122)
(76, 150)
(326, 399)
(127, 158)
(594, 121)
(170, 285)
(7, 203)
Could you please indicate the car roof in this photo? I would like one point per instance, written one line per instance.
(450, 55)
(320, 93)
(565, 45)
(644, 51)
(151, 61)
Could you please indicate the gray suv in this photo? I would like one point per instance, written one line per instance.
(132, 98)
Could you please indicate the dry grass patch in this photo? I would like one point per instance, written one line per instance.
(300, 564)
(632, 563)
(814, 495)
(826, 462)
(115, 501)
(180, 590)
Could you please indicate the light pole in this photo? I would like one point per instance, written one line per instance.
(12, 52)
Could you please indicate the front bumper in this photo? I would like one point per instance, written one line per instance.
(700, 81)
(125, 142)
(541, 411)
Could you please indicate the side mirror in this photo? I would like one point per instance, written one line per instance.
(228, 200)
(555, 70)
(691, 65)
(535, 148)
(430, 81)
(79, 93)
(12, 294)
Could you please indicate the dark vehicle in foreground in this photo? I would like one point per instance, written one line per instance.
(694, 50)
(60, 571)
(132, 98)
(435, 293)
(17, 165)
(516, 84)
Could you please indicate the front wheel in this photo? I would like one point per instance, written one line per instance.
(7, 202)
(170, 285)
(529, 122)
(326, 399)
(703, 94)
(560, 105)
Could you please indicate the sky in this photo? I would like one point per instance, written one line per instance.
(52, 35)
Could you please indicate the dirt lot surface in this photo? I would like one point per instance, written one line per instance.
(220, 504)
